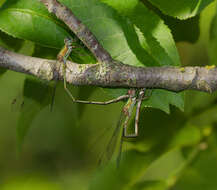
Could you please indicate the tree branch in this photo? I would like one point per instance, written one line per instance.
(115, 74)
(109, 73)
(81, 31)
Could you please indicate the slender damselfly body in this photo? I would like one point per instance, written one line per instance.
(134, 96)
(121, 131)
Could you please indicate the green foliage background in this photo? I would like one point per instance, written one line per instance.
(61, 148)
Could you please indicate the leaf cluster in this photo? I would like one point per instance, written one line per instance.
(139, 33)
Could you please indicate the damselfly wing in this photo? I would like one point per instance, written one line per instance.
(121, 130)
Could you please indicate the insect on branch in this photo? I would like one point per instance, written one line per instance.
(80, 30)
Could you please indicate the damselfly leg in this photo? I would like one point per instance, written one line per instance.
(62, 58)
(128, 112)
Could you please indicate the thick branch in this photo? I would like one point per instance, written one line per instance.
(116, 74)
(120, 75)
(80, 30)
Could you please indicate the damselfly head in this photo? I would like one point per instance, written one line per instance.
(132, 92)
(68, 41)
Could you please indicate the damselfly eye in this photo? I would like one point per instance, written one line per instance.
(131, 92)
(68, 41)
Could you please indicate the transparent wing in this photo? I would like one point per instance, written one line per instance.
(118, 133)
(53, 96)
(111, 146)
(127, 116)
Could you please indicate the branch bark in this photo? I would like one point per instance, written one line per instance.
(116, 74)
(109, 73)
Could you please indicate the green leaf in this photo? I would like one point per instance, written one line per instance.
(182, 9)
(30, 20)
(166, 169)
(2, 71)
(169, 164)
(213, 40)
(182, 30)
(51, 53)
(84, 93)
(27, 48)
(161, 174)
(120, 178)
(144, 170)
(45, 52)
(15, 44)
(199, 102)
(153, 34)
(157, 41)
(113, 32)
(2, 2)
(188, 135)
(36, 96)
(201, 174)
(150, 185)
(32, 181)
(205, 118)
(9, 42)
(161, 99)
(142, 40)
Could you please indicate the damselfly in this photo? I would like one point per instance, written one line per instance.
(62, 58)
(134, 97)
(121, 130)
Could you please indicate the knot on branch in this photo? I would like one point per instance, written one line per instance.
(47, 70)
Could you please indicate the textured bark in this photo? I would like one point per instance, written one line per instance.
(109, 73)
(80, 30)
(115, 74)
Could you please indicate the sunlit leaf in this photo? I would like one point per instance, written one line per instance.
(21, 21)
(156, 40)
(182, 30)
(150, 44)
(182, 9)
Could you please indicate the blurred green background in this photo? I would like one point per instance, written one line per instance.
(62, 147)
